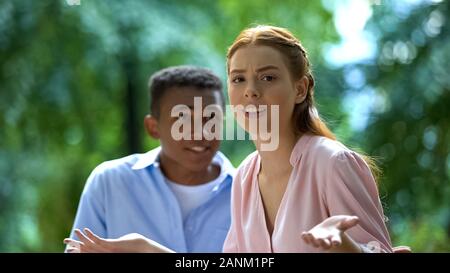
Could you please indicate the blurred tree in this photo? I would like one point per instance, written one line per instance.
(410, 127)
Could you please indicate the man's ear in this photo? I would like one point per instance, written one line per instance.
(301, 88)
(151, 125)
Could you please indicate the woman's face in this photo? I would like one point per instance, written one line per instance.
(258, 75)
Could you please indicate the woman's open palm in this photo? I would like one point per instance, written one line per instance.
(328, 234)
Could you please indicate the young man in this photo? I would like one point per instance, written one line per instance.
(177, 194)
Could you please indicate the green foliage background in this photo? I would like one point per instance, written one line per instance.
(73, 93)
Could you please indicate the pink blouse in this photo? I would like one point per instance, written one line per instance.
(327, 179)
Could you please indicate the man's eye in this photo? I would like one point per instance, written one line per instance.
(182, 115)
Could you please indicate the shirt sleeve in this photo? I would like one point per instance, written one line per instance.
(352, 190)
(91, 209)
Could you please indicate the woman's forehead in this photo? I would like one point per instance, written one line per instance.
(256, 56)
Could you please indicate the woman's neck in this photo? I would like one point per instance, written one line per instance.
(277, 162)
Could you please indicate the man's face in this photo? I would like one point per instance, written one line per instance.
(194, 155)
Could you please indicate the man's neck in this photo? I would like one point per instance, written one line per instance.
(181, 175)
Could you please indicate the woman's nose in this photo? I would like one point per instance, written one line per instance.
(251, 92)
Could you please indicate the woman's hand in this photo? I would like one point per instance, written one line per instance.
(401, 249)
(330, 234)
(134, 242)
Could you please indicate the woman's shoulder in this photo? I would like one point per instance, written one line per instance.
(323, 149)
(327, 145)
(325, 153)
(327, 159)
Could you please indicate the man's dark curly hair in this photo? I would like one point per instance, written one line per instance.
(181, 76)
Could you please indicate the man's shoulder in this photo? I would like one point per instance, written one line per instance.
(119, 171)
(118, 165)
(128, 164)
(115, 175)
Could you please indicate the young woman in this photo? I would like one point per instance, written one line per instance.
(310, 179)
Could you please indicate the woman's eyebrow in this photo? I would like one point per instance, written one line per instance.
(237, 71)
(264, 68)
(267, 67)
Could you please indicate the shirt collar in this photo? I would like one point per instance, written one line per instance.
(151, 158)
(226, 168)
(147, 159)
(300, 147)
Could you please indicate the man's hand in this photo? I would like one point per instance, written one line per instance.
(134, 242)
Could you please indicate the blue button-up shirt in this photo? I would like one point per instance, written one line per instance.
(131, 195)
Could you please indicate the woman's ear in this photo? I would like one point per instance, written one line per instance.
(301, 88)
(151, 125)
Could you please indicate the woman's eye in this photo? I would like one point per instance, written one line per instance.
(268, 78)
(237, 79)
